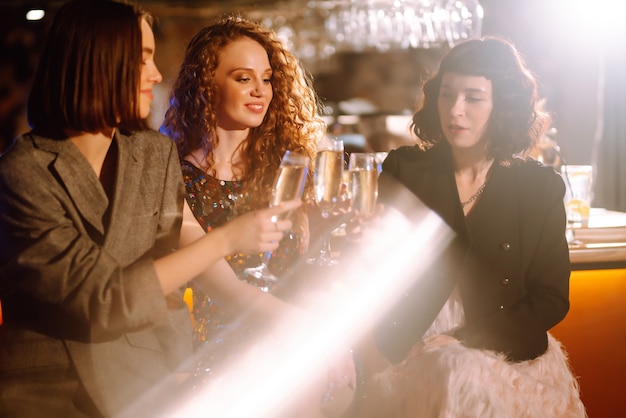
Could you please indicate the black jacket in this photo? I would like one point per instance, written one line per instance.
(510, 259)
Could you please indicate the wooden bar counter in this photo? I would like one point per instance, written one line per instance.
(594, 331)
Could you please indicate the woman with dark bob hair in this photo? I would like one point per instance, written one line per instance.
(482, 347)
(90, 216)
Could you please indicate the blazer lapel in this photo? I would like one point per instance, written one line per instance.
(78, 178)
(499, 205)
(437, 188)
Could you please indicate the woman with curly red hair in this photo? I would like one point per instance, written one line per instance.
(240, 100)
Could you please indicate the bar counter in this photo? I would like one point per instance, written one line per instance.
(594, 331)
(600, 245)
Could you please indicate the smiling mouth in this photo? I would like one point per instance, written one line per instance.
(255, 107)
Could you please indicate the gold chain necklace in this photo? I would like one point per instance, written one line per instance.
(475, 195)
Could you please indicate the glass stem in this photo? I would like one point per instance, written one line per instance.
(266, 258)
(325, 251)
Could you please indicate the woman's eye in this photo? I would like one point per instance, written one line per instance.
(243, 79)
(267, 80)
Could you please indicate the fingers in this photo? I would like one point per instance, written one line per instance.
(343, 372)
(272, 226)
(282, 207)
(273, 229)
(261, 230)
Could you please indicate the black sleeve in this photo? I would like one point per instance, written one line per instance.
(408, 318)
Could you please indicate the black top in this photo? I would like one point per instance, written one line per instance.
(510, 259)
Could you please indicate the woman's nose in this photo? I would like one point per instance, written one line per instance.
(155, 75)
(458, 107)
(259, 89)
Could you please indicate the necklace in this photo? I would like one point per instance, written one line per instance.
(475, 195)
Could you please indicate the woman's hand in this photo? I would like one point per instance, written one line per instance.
(341, 372)
(341, 389)
(254, 232)
(260, 230)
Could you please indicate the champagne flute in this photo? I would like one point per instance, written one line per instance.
(327, 181)
(363, 182)
(288, 185)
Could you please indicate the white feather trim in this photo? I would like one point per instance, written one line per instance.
(441, 378)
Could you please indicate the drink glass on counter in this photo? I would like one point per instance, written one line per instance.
(579, 193)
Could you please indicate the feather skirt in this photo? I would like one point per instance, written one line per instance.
(441, 378)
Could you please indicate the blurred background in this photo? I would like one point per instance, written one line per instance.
(369, 57)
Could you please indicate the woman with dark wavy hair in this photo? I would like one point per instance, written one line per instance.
(482, 348)
(241, 99)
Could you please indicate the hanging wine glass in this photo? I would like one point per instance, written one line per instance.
(288, 185)
(327, 181)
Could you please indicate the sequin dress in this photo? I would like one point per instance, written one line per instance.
(213, 203)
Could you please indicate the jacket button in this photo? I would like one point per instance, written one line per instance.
(505, 246)
(501, 307)
(505, 281)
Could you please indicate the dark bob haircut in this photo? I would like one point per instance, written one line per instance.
(89, 71)
(517, 120)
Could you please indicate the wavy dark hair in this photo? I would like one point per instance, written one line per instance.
(292, 121)
(517, 120)
(89, 71)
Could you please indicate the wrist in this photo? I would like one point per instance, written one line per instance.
(220, 241)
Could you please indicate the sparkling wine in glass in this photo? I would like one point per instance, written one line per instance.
(363, 182)
(288, 185)
(327, 182)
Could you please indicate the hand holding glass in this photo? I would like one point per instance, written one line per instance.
(327, 181)
(288, 185)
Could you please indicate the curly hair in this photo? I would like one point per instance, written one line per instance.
(517, 120)
(292, 121)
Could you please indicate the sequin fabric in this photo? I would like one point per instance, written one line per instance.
(213, 203)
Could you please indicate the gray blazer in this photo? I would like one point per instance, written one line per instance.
(77, 281)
